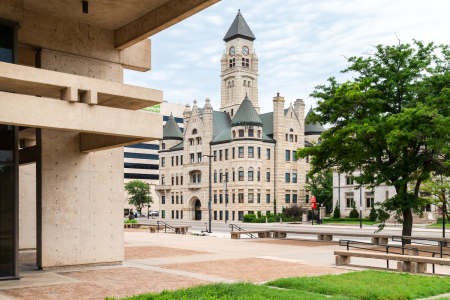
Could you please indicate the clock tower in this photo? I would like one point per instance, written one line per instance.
(239, 67)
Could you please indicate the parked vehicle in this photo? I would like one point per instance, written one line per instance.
(154, 213)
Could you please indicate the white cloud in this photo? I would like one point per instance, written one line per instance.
(300, 44)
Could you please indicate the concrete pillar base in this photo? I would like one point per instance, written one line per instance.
(342, 260)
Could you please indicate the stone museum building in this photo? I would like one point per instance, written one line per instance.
(65, 117)
(254, 153)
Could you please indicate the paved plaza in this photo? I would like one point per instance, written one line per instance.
(157, 262)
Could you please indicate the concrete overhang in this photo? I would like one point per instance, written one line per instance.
(132, 20)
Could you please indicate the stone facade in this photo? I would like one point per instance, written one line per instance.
(253, 152)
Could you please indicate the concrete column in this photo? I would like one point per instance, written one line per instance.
(79, 202)
(27, 207)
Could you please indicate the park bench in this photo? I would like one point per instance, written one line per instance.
(405, 263)
(261, 233)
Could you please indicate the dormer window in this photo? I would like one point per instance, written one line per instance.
(241, 133)
(163, 146)
(259, 133)
(234, 134)
(250, 133)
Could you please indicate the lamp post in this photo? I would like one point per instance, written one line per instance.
(148, 204)
(225, 188)
(209, 202)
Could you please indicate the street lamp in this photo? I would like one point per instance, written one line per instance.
(148, 204)
(209, 202)
(225, 188)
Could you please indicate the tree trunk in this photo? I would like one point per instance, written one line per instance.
(407, 223)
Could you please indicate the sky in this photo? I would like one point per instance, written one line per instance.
(300, 44)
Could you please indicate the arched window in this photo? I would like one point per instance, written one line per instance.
(199, 141)
(163, 180)
(194, 131)
(241, 174)
(234, 134)
(249, 84)
(292, 130)
(191, 142)
(215, 176)
(250, 174)
(245, 82)
(163, 146)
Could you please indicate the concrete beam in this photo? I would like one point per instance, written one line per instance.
(30, 111)
(40, 82)
(162, 17)
(90, 142)
(27, 155)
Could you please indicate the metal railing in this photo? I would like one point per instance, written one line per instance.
(234, 226)
(348, 243)
(168, 227)
(408, 240)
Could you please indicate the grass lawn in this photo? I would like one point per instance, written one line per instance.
(439, 225)
(366, 285)
(369, 285)
(237, 291)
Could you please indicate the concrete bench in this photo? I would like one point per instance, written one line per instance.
(178, 229)
(261, 233)
(405, 263)
(132, 225)
(328, 236)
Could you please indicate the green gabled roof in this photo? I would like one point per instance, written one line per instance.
(313, 128)
(267, 120)
(246, 115)
(171, 130)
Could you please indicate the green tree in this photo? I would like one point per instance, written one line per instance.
(321, 186)
(139, 193)
(295, 211)
(391, 122)
(437, 187)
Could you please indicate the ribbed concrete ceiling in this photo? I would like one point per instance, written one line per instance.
(109, 14)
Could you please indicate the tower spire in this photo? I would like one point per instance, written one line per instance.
(239, 29)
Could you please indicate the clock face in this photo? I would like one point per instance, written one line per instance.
(232, 51)
(245, 50)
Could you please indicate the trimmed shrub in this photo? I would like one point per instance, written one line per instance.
(131, 221)
(248, 218)
(337, 212)
(373, 216)
(354, 213)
